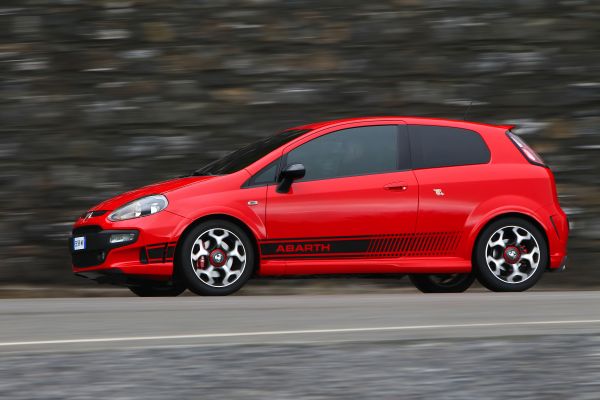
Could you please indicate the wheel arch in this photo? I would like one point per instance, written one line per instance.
(510, 214)
(241, 224)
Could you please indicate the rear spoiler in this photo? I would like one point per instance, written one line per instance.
(507, 127)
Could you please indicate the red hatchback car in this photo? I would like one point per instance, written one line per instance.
(443, 201)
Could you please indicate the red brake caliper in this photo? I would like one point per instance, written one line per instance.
(523, 249)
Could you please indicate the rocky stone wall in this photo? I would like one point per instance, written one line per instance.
(98, 97)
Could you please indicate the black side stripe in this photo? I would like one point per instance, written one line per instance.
(316, 247)
(419, 244)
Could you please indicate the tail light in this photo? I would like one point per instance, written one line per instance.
(527, 151)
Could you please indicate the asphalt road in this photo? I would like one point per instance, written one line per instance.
(536, 345)
(112, 323)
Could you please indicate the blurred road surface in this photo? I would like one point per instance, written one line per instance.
(537, 345)
(109, 323)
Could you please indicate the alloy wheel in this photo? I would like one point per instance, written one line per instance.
(512, 254)
(218, 257)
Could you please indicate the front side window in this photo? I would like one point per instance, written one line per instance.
(441, 146)
(349, 152)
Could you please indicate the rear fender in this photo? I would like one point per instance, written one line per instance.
(494, 208)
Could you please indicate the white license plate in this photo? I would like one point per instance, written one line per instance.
(79, 243)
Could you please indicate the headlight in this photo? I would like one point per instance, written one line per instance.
(140, 208)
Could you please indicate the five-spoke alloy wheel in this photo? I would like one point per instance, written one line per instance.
(511, 255)
(216, 258)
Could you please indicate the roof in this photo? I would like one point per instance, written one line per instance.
(406, 119)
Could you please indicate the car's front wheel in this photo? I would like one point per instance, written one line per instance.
(442, 283)
(511, 255)
(216, 258)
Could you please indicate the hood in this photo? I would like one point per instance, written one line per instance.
(155, 188)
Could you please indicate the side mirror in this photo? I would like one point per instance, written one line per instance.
(288, 175)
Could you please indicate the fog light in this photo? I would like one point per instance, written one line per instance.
(121, 237)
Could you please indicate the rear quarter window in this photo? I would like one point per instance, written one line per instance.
(441, 146)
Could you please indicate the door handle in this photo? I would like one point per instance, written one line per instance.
(396, 186)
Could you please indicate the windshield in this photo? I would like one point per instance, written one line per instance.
(245, 156)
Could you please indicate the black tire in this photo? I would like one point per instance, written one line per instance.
(187, 270)
(451, 283)
(158, 290)
(484, 272)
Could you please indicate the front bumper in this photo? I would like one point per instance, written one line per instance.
(97, 245)
(147, 256)
(115, 276)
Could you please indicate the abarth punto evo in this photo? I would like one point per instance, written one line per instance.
(446, 202)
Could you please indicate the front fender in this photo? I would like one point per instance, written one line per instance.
(197, 207)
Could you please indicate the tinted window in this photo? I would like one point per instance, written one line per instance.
(247, 155)
(349, 152)
(439, 146)
(265, 175)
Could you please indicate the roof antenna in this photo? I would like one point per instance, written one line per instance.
(467, 110)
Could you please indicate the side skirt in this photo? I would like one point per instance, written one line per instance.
(406, 265)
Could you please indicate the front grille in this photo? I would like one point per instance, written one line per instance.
(97, 244)
(98, 213)
(88, 258)
(91, 214)
(86, 230)
(91, 257)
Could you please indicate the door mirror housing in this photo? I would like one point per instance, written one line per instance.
(288, 175)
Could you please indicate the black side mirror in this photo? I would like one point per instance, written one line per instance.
(288, 175)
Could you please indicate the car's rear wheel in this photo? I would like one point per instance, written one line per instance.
(158, 290)
(511, 255)
(216, 258)
(442, 283)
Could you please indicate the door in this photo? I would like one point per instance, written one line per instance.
(453, 171)
(358, 187)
